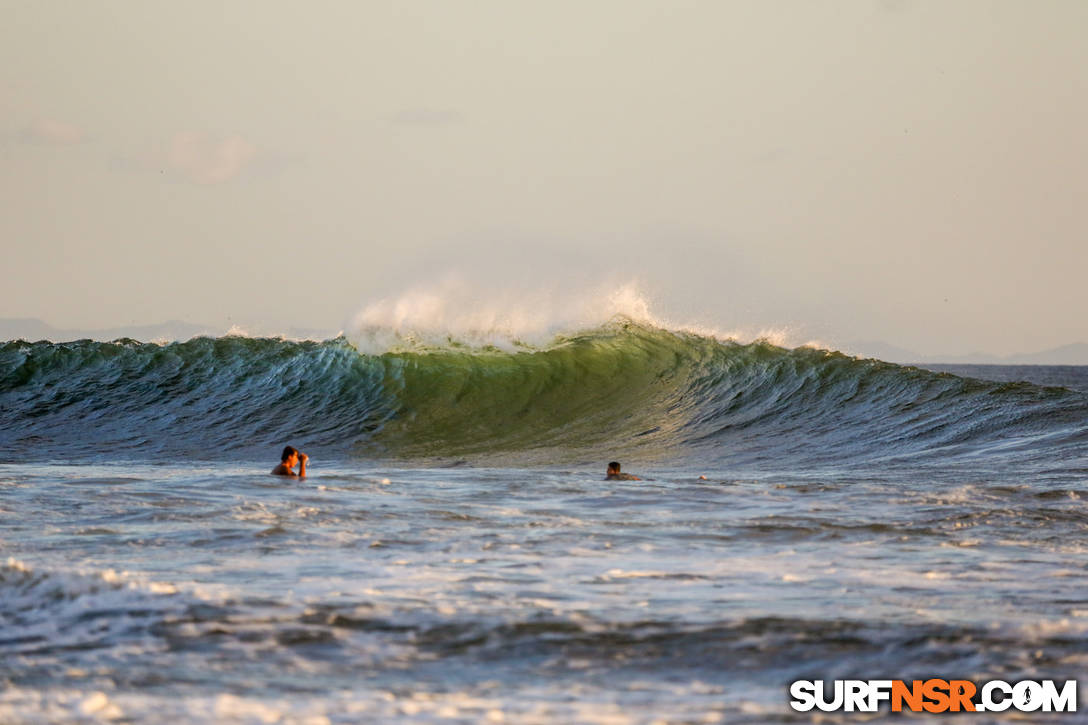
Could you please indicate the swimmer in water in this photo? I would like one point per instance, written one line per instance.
(613, 474)
(290, 458)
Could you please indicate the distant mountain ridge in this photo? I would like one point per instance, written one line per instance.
(1073, 354)
(33, 330)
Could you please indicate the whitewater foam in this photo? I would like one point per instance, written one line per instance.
(55, 610)
(452, 312)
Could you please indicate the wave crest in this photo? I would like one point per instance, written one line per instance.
(458, 314)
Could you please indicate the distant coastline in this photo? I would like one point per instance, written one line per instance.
(32, 329)
(1072, 354)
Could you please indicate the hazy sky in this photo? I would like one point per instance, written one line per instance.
(915, 172)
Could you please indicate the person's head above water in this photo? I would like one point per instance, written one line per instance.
(613, 473)
(287, 453)
(290, 458)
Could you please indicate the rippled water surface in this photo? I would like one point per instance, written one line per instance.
(214, 592)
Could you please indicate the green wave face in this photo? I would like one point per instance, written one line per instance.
(619, 390)
(649, 395)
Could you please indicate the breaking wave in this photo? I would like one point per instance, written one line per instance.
(626, 388)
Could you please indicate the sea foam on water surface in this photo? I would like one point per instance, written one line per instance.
(49, 609)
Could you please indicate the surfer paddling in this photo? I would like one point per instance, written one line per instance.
(290, 458)
(613, 474)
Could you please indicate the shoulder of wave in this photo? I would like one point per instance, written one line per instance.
(785, 338)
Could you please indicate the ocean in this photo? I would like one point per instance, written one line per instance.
(455, 554)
